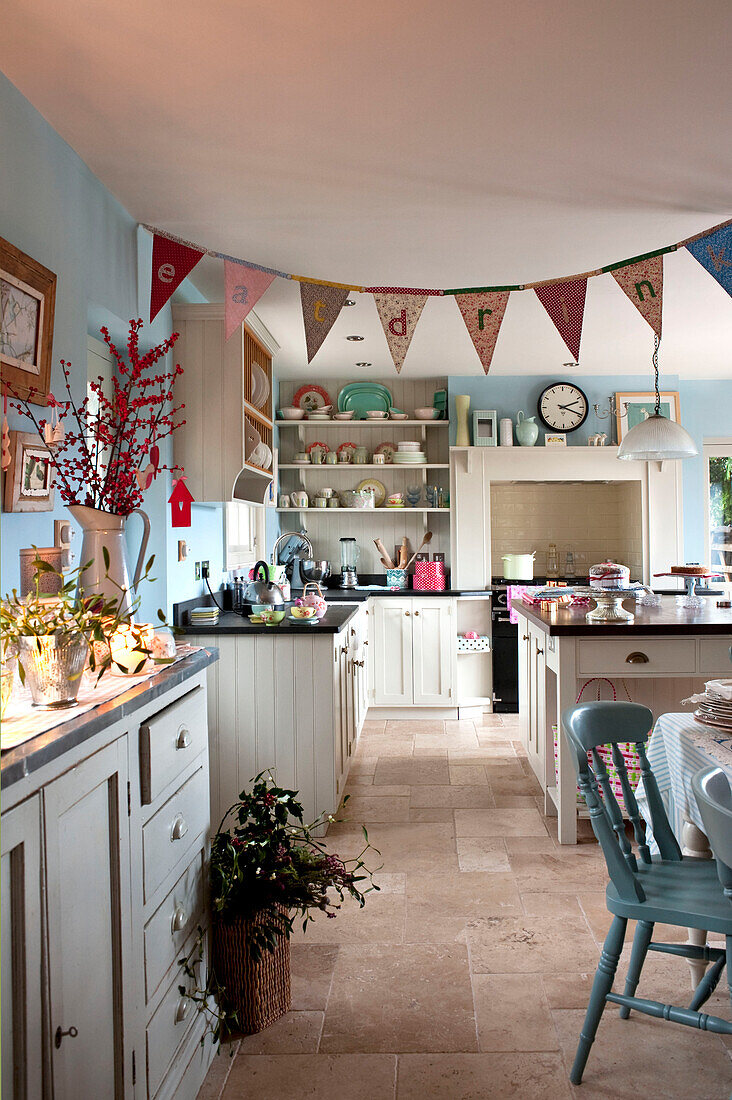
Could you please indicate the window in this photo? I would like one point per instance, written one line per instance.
(243, 533)
(718, 470)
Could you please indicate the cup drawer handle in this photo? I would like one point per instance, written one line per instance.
(178, 920)
(636, 658)
(179, 828)
(182, 1009)
(183, 739)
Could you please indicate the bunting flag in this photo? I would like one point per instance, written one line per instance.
(171, 262)
(243, 287)
(320, 308)
(643, 284)
(715, 254)
(399, 314)
(565, 304)
(483, 314)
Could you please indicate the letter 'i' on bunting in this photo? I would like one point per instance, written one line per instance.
(399, 314)
(243, 287)
(320, 308)
(565, 304)
(715, 254)
(171, 262)
(643, 284)
(483, 314)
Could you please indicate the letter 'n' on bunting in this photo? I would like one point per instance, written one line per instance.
(715, 254)
(243, 287)
(643, 284)
(565, 304)
(399, 314)
(483, 314)
(171, 262)
(320, 308)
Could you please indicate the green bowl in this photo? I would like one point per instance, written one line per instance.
(272, 617)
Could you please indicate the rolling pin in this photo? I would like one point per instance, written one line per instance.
(386, 560)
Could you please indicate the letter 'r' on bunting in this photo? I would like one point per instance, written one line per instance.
(171, 262)
(643, 284)
(483, 314)
(399, 314)
(243, 287)
(715, 254)
(565, 304)
(320, 308)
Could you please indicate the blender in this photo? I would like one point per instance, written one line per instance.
(349, 557)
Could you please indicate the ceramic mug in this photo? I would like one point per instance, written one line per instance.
(299, 499)
(302, 456)
(331, 458)
(334, 502)
(284, 500)
(379, 460)
(344, 456)
(316, 456)
(321, 502)
(360, 456)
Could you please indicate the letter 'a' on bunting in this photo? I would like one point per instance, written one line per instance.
(565, 304)
(171, 262)
(243, 287)
(715, 254)
(320, 308)
(643, 284)
(399, 314)
(483, 314)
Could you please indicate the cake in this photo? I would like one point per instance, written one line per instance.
(609, 575)
(690, 570)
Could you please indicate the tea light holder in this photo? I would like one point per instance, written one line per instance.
(131, 647)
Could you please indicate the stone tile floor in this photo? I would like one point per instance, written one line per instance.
(467, 975)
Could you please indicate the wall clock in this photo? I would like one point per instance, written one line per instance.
(563, 407)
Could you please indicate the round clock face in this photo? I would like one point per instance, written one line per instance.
(563, 407)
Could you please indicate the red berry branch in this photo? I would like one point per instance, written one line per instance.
(116, 435)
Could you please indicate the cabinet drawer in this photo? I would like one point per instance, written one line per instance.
(664, 656)
(169, 741)
(170, 833)
(173, 923)
(714, 655)
(167, 1030)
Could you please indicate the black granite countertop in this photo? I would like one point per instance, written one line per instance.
(666, 620)
(333, 622)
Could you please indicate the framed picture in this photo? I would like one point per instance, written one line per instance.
(29, 477)
(485, 428)
(555, 439)
(27, 304)
(641, 406)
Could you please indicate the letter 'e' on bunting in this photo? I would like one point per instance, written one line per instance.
(320, 308)
(643, 284)
(565, 304)
(171, 262)
(483, 314)
(243, 287)
(715, 254)
(399, 315)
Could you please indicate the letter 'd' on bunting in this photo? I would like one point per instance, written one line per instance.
(399, 315)
(171, 262)
(483, 314)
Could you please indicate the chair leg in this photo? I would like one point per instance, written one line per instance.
(600, 988)
(729, 967)
(643, 934)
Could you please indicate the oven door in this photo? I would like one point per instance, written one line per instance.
(505, 662)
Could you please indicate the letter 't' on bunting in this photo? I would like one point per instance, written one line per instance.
(399, 315)
(243, 287)
(483, 314)
(171, 262)
(565, 304)
(643, 284)
(715, 254)
(320, 308)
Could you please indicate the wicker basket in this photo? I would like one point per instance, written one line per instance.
(258, 991)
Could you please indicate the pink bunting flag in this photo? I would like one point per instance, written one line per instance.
(320, 308)
(483, 314)
(565, 304)
(171, 263)
(643, 284)
(399, 315)
(243, 287)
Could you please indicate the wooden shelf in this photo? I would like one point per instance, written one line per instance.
(256, 414)
(365, 511)
(364, 466)
(362, 423)
(258, 470)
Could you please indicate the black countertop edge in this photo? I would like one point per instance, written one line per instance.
(33, 754)
(666, 620)
(230, 622)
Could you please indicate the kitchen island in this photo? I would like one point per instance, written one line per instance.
(660, 658)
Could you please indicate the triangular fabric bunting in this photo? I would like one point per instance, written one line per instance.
(715, 254)
(243, 287)
(171, 262)
(483, 314)
(565, 304)
(399, 315)
(320, 308)
(643, 284)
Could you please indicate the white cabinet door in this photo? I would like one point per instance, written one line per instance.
(537, 731)
(391, 652)
(87, 859)
(22, 1021)
(433, 652)
(526, 729)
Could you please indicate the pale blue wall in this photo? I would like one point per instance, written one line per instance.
(706, 411)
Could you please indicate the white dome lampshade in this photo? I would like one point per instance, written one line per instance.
(656, 439)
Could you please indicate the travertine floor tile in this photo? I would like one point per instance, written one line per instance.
(499, 823)
(482, 854)
(293, 1033)
(401, 847)
(464, 725)
(419, 726)
(372, 726)
(564, 870)
(517, 802)
(412, 772)
(450, 795)
(530, 945)
(312, 1077)
(430, 813)
(379, 790)
(380, 921)
(311, 970)
(449, 744)
(513, 784)
(546, 903)
(371, 808)
(512, 1013)
(430, 750)
(482, 1077)
(463, 775)
(439, 907)
(218, 1074)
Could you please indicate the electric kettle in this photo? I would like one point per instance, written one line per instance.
(260, 593)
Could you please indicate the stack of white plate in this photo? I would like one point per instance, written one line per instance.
(409, 452)
(260, 386)
(204, 616)
(715, 708)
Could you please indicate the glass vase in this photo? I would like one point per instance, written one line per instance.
(53, 664)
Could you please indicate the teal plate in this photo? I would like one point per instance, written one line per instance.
(363, 397)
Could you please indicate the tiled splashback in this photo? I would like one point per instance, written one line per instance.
(596, 521)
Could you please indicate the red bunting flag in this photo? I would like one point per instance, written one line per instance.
(320, 308)
(171, 262)
(399, 314)
(643, 284)
(483, 314)
(243, 287)
(565, 304)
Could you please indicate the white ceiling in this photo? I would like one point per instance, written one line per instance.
(420, 144)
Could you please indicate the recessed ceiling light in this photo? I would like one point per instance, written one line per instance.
(350, 302)
(364, 364)
(570, 364)
(355, 338)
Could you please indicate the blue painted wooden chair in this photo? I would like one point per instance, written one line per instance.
(713, 795)
(671, 889)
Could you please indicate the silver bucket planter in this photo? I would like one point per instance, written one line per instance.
(53, 664)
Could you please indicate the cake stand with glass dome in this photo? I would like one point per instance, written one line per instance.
(609, 603)
(692, 601)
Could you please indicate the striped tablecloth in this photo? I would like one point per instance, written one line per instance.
(679, 747)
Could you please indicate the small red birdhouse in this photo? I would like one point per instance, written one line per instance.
(180, 501)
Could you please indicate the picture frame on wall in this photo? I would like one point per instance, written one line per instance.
(485, 428)
(641, 404)
(555, 439)
(27, 307)
(29, 477)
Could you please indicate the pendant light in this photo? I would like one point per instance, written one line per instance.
(657, 438)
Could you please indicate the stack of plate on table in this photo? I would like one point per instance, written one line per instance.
(409, 452)
(714, 707)
(204, 616)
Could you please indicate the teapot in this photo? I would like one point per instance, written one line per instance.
(263, 592)
(527, 430)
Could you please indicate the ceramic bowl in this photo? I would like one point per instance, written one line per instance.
(376, 414)
(290, 412)
(397, 414)
(426, 414)
(343, 415)
(303, 612)
(273, 615)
